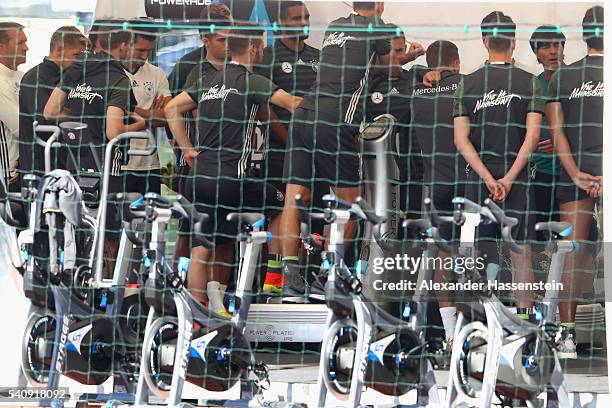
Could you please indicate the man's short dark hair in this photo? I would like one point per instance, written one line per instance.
(499, 30)
(68, 37)
(441, 54)
(110, 34)
(6, 27)
(544, 35)
(141, 28)
(593, 20)
(97, 28)
(285, 5)
(240, 40)
(217, 14)
(394, 30)
(364, 5)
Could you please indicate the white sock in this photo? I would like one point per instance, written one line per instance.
(215, 292)
(449, 320)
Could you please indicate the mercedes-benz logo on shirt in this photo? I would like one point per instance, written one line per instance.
(377, 97)
(286, 67)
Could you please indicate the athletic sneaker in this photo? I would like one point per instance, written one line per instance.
(273, 289)
(567, 345)
(224, 313)
(317, 287)
(294, 283)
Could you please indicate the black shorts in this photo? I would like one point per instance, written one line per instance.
(441, 194)
(179, 181)
(274, 169)
(219, 196)
(518, 204)
(568, 192)
(143, 181)
(323, 150)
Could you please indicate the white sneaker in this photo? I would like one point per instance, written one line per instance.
(567, 346)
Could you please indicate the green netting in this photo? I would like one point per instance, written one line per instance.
(237, 117)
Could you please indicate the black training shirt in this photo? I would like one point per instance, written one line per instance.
(294, 71)
(432, 125)
(228, 102)
(497, 99)
(580, 89)
(36, 88)
(392, 96)
(346, 57)
(92, 85)
(178, 77)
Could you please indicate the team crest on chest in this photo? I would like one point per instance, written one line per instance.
(286, 67)
(149, 89)
(377, 97)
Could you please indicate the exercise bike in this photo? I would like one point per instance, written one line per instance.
(184, 341)
(73, 322)
(497, 353)
(363, 344)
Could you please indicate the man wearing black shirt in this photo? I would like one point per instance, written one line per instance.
(36, 87)
(498, 114)
(390, 92)
(227, 103)
(96, 91)
(574, 112)
(214, 58)
(444, 175)
(178, 80)
(292, 65)
(322, 140)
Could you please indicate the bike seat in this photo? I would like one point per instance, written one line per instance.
(256, 220)
(31, 178)
(562, 229)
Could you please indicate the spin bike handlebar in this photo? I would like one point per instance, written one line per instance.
(422, 227)
(136, 207)
(506, 223)
(463, 205)
(558, 229)
(489, 213)
(377, 221)
(48, 144)
(430, 227)
(253, 220)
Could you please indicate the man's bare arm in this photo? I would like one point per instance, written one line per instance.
(174, 111)
(54, 109)
(285, 100)
(532, 136)
(115, 122)
(155, 115)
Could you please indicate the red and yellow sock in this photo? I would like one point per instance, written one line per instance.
(274, 275)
